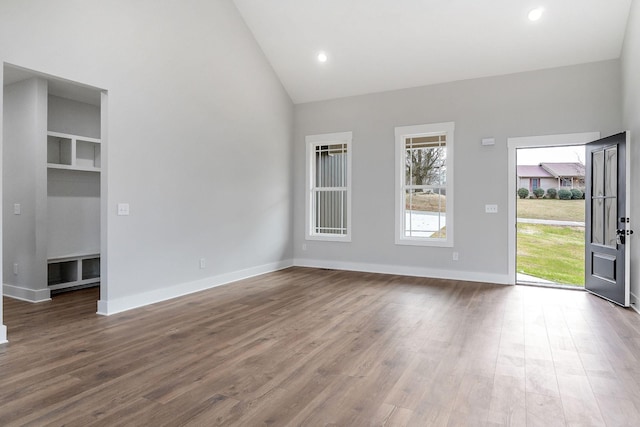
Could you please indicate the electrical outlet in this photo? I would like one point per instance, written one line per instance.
(304, 246)
(203, 263)
(456, 256)
(17, 210)
(491, 208)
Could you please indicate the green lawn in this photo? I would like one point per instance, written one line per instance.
(564, 210)
(551, 252)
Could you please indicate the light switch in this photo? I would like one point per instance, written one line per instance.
(123, 208)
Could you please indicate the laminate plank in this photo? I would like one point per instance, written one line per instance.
(428, 414)
(544, 411)
(323, 347)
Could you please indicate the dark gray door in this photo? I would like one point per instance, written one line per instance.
(607, 219)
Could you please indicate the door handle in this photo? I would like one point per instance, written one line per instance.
(621, 234)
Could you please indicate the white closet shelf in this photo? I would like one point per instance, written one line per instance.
(73, 256)
(72, 168)
(73, 152)
(71, 136)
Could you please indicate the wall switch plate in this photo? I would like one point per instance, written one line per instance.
(16, 209)
(491, 208)
(456, 256)
(304, 246)
(123, 208)
(15, 269)
(203, 263)
(488, 141)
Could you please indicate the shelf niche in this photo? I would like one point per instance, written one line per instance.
(66, 151)
(74, 271)
(58, 150)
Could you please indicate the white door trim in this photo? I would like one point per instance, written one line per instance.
(531, 142)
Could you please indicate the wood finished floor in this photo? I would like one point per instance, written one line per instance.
(315, 347)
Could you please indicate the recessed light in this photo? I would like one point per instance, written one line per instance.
(322, 57)
(535, 14)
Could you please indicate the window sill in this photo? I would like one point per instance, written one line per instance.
(424, 242)
(321, 238)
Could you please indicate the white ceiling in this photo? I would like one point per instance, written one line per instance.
(379, 45)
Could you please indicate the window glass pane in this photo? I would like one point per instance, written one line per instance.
(330, 215)
(328, 193)
(425, 213)
(611, 172)
(422, 167)
(597, 173)
(331, 165)
(597, 221)
(610, 221)
(425, 160)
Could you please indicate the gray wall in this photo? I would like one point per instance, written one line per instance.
(24, 144)
(73, 213)
(631, 121)
(73, 117)
(563, 100)
(199, 135)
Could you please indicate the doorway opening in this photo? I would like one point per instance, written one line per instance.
(550, 216)
(514, 145)
(53, 187)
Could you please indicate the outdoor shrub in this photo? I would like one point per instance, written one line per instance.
(564, 194)
(523, 193)
(538, 192)
(576, 194)
(552, 193)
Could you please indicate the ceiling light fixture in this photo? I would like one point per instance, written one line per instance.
(535, 14)
(322, 57)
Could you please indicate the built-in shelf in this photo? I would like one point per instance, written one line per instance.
(73, 271)
(73, 152)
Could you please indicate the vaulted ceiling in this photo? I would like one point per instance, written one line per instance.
(380, 45)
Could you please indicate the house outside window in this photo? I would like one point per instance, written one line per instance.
(424, 184)
(328, 187)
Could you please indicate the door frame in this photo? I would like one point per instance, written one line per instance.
(513, 144)
(104, 193)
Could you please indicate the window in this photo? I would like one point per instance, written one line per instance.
(535, 183)
(424, 185)
(566, 182)
(328, 192)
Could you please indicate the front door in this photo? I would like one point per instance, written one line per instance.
(607, 228)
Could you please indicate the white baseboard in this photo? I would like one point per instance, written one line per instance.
(3, 334)
(502, 279)
(26, 294)
(634, 303)
(119, 305)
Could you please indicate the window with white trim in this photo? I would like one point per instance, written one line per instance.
(328, 193)
(424, 184)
